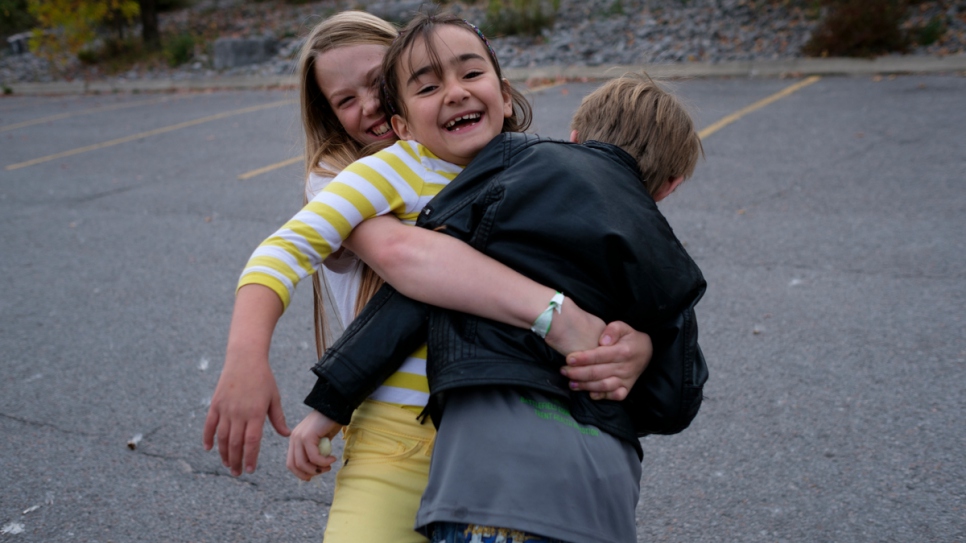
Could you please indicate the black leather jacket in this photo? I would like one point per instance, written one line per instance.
(572, 217)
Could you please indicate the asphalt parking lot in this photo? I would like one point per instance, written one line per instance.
(828, 217)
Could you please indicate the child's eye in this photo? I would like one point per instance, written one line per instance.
(344, 102)
(426, 89)
(473, 73)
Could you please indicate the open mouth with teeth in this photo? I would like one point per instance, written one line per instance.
(380, 129)
(463, 121)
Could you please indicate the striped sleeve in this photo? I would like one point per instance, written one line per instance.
(391, 181)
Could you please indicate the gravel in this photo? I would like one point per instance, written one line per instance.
(585, 33)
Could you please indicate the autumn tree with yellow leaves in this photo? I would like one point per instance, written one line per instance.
(66, 27)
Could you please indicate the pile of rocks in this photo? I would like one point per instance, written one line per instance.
(667, 31)
(585, 33)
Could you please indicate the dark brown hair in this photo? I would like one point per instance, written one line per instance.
(423, 27)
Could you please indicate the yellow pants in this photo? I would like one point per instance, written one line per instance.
(384, 473)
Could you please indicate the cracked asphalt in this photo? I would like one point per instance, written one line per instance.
(829, 224)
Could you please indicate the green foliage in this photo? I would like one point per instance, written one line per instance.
(14, 17)
(113, 55)
(66, 27)
(860, 28)
(116, 56)
(179, 49)
(506, 17)
(616, 8)
(88, 56)
(811, 8)
(930, 32)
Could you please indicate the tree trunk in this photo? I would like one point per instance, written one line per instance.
(149, 25)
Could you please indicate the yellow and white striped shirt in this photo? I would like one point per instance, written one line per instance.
(401, 180)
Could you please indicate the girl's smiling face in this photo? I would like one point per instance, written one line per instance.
(457, 111)
(349, 78)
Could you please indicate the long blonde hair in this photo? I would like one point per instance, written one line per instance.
(328, 147)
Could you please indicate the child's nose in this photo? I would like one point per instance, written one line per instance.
(370, 104)
(455, 92)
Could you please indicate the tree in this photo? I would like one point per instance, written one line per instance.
(149, 25)
(68, 26)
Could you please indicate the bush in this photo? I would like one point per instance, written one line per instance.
(506, 17)
(930, 32)
(113, 54)
(860, 28)
(179, 49)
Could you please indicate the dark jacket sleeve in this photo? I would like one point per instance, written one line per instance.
(388, 330)
(667, 396)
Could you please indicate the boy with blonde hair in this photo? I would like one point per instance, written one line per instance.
(581, 217)
(636, 114)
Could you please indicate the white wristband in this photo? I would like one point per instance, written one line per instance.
(541, 326)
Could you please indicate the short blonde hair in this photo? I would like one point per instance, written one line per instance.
(641, 117)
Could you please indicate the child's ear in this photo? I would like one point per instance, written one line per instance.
(401, 127)
(573, 137)
(667, 188)
(507, 98)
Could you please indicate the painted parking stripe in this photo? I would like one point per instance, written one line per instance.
(113, 107)
(149, 133)
(725, 121)
(271, 167)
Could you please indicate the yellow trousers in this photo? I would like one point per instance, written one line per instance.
(384, 473)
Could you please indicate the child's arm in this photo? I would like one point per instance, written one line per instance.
(246, 390)
(443, 271)
(366, 188)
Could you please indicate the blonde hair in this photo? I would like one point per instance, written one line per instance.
(328, 147)
(641, 117)
(325, 138)
(423, 27)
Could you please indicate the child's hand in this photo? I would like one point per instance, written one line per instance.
(246, 391)
(304, 459)
(610, 370)
(245, 394)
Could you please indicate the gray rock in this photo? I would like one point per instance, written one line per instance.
(235, 52)
(18, 43)
(398, 11)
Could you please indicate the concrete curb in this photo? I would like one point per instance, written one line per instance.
(775, 68)
(152, 85)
